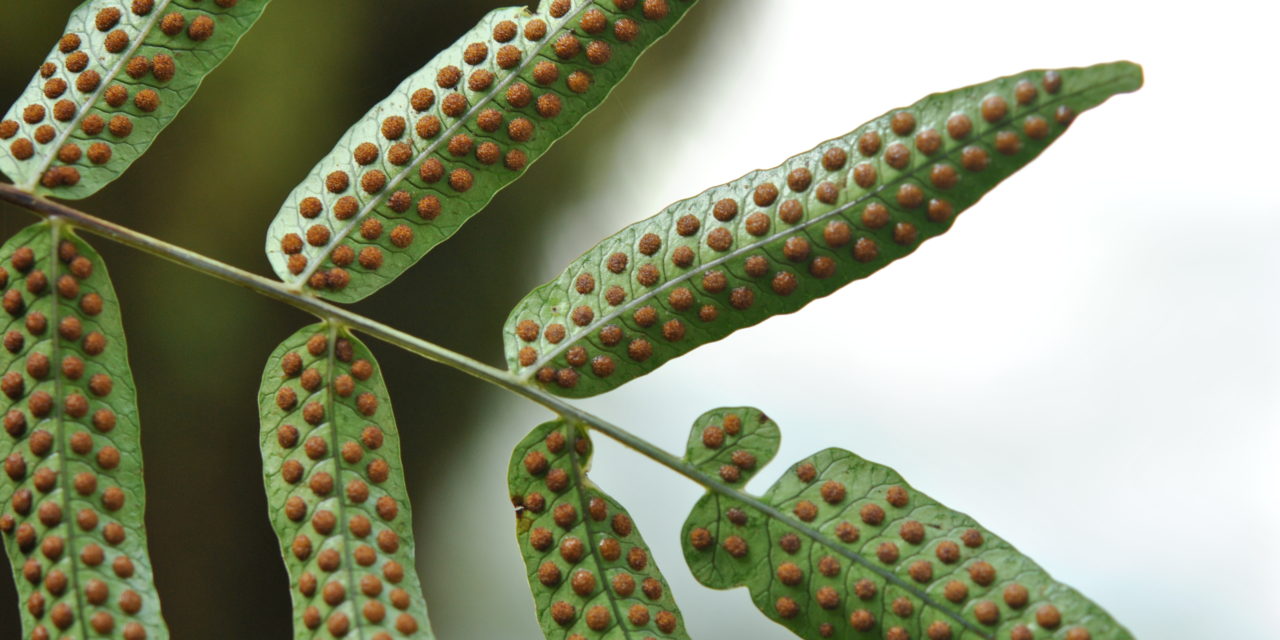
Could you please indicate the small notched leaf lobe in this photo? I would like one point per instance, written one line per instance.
(591, 574)
(71, 496)
(454, 133)
(335, 487)
(776, 239)
(119, 73)
(843, 547)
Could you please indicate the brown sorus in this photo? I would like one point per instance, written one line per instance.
(52, 89)
(428, 127)
(1016, 595)
(44, 135)
(106, 18)
(480, 79)
(862, 620)
(567, 46)
(948, 552)
(943, 176)
(201, 28)
(116, 41)
(460, 179)
(1036, 127)
(806, 510)
(454, 105)
(22, 149)
(163, 67)
(827, 193)
(896, 496)
(795, 248)
(791, 212)
(784, 282)
(887, 552)
(1008, 143)
(365, 153)
(902, 123)
(146, 100)
(77, 61)
(955, 591)
(986, 612)
(68, 43)
(519, 95)
(579, 81)
(799, 179)
(959, 126)
(974, 158)
(897, 156)
(508, 56)
(833, 492)
(765, 194)
(549, 105)
(520, 129)
(921, 571)
(910, 196)
(871, 514)
(87, 81)
(655, 9)
(837, 234)
(138, 66)
(983, 573)
(599, 52)
(939, 210)
(928, 141)
(994, 108)
(938, 630)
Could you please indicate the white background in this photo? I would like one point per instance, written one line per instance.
(1088, 363)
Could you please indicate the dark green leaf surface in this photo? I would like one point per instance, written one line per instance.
(422, 162)
(335, 487)
(850, 550)
(775, 239)
(591, 573)
(72, 497)
(119, 73)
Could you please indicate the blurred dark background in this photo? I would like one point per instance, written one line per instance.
(212, 182)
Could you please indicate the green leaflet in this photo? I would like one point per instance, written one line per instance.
(72, 497)
(775, 239)
(591, 573)
(335, 486)
(848, 549)
(121, 71)
(422, 162)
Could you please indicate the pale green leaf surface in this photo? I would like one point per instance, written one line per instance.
(776, 239)
(336, 492)
(100, 99)
(591, 574)
(848, 549)
(414, 169)
(72, 497)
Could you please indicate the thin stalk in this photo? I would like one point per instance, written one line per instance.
(277, 290)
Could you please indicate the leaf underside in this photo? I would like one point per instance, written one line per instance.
(336, 492)
(119, 73)
(71, 497)
(775, 239)
(422, 162)
(853, 551)
(591, 573)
